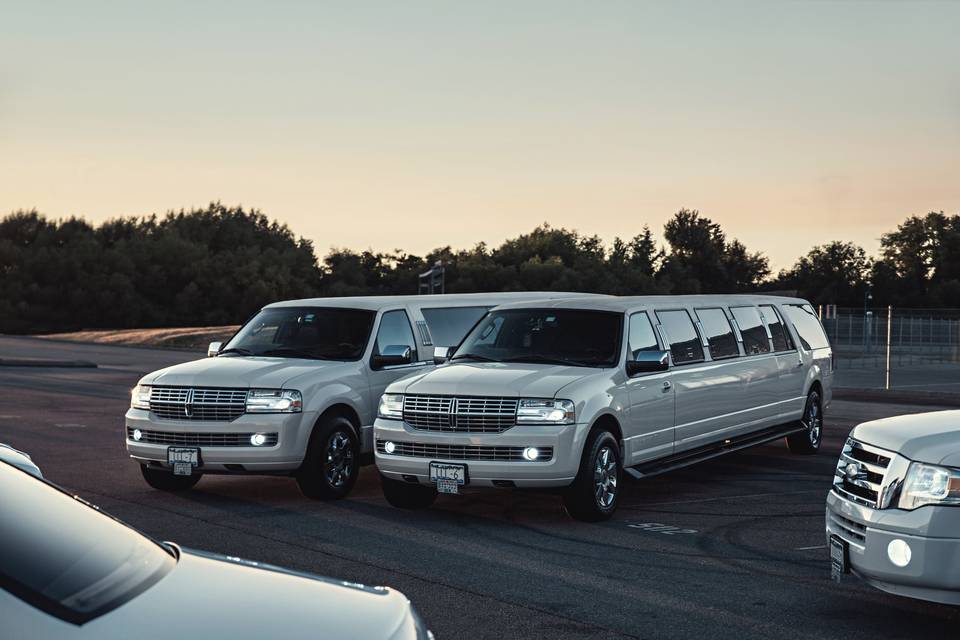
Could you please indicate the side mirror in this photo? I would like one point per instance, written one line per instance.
(393, 355)
(214, 349)
(442, 354)
(648, 362)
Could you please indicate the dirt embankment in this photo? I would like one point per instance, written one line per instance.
(179, 338)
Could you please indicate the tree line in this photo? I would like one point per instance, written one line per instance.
(219, 264)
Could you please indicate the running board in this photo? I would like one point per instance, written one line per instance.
(700, 454)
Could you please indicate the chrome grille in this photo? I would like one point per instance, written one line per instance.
(464, 452)
(863, 487)
(462, 415)
(200, 439)
(198, 404)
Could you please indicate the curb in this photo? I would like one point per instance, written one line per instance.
(931, 398)
(65, 364)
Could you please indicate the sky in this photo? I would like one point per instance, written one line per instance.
(414, 125)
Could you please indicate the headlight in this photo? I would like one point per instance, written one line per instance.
(274, 401)
(929, 484)
(534, 411)
(140, 397)
(391, 406)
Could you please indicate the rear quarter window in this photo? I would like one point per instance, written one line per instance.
(809, 330)
(449, 325)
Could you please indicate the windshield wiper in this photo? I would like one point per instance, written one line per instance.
(547, 360)
(242, 352)
(474, 356)
(292, 353)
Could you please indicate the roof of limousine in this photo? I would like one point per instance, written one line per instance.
(626, 303)
(377, 302)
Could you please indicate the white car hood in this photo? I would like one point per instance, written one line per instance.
(209, 596)
(511, 380)
(925, 437)
(238, 371)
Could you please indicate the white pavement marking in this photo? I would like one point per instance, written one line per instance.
(821, 546)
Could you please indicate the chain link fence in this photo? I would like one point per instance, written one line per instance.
(893, 347)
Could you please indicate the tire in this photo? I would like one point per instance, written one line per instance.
(595, 491)
(406, 495)
(808, 441)
(332, 463)
(166, 481)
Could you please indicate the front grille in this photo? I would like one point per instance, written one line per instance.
(460, 415)
(198, 404)
(200, 439)
(463, 452)
(850, 530)
(871, 463)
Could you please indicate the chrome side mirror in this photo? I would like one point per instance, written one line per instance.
(648, 362)
(442, 354)
(393, 355)
(214, 349)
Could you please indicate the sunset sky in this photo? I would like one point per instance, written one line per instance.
(415, 125)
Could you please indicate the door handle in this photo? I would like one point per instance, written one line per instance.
(800, 362)
(667, 385)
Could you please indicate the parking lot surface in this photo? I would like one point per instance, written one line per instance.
(732, 548)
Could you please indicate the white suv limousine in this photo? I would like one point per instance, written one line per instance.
(568, 393)
(294, 392)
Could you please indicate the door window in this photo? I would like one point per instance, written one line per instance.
(685, 346)
(642, 337)
(719, 333)
(754, 334)
(781, 339)
(395, 329)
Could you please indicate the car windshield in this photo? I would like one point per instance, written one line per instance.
(63, 556)
(304, 332)
(552, 336)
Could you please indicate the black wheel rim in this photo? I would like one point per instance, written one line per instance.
(338, 459)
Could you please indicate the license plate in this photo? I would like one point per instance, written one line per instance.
(183, 459)
(839, 558)
(448, 477)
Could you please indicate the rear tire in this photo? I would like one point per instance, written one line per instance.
(595, 492)
(807, 442)
(332, 463)
(166, 481)
(407, 495)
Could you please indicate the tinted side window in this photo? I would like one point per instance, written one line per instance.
(684, 342)
(808, 326)
(642, 337)
(449, 326)
(751, 328)
(395, 329)
(781, 339)
(719, 333)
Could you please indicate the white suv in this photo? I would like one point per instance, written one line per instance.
(294, 392)
(568, 393)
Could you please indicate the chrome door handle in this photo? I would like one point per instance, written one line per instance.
(667, 385)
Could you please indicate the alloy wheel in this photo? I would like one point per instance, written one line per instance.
(605, 477)
(338, 465)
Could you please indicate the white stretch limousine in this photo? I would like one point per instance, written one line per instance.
(568, 393)
(295, 391)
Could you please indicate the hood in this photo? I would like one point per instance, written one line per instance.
(924, 437)
(239, 371)
(211, 596)
(511, 380)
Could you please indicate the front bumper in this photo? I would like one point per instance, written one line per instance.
(559, 471)
(931, 532)
(292, 429)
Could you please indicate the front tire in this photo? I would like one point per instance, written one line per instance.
(332, 463)
(166, 481)
(807, 442)
(407, 495)
(595, 492)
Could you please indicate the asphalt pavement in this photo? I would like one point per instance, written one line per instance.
(732, 548)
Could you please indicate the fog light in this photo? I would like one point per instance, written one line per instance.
(531, 453)
(137, 434)
(389, 447)
(258, 439)
(899, 552)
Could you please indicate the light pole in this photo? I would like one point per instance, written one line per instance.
(867, 297)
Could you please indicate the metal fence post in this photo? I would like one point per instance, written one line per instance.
(889, 335)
